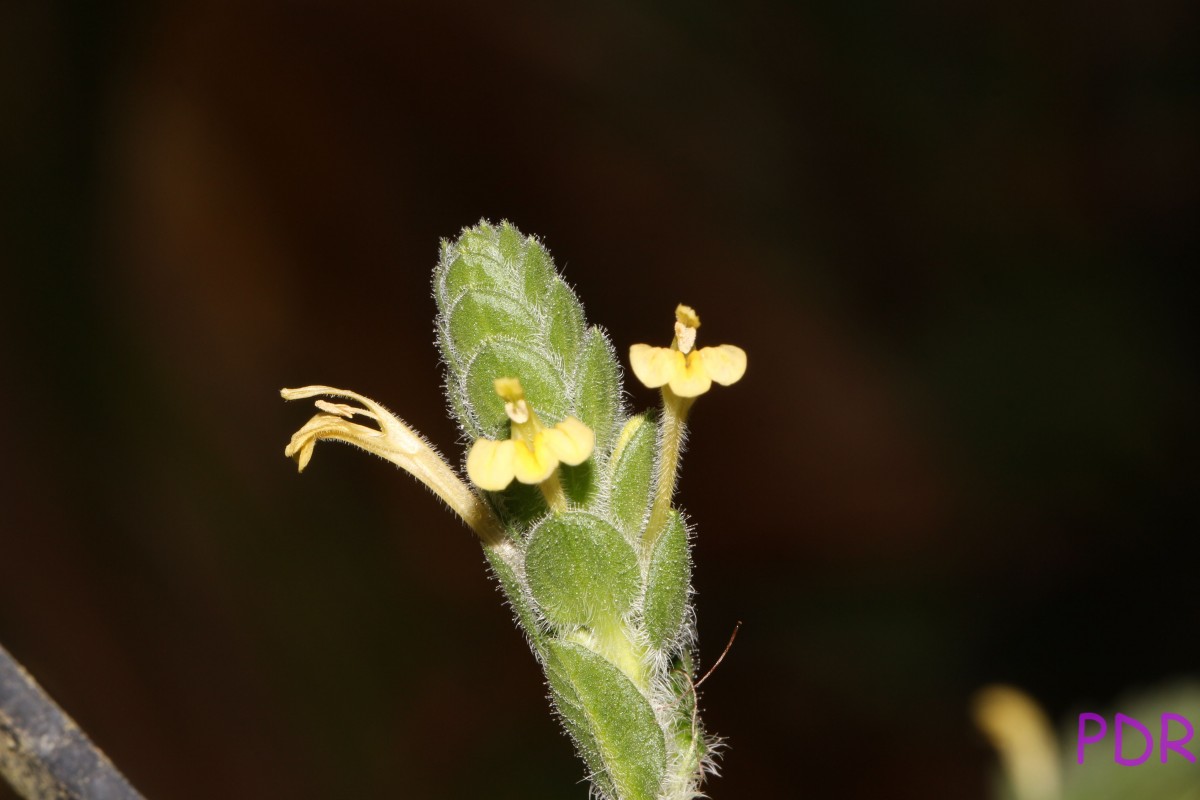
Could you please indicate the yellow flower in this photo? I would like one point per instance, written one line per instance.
(533, 452)
(689, 372)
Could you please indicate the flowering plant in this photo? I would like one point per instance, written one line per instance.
(571, 497)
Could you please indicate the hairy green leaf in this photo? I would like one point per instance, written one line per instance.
(482, 315)
(598, 388)
(565, 331)
(507, 358)
(610, 721)
(504, 312)
(633, 473)
(667, 584)
(580, 568)
(581, 483)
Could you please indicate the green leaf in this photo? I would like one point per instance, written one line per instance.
(521, 503)
(480, 246)
(482, 315)
(565, 314)
(684, 729)
(495, 285)
(505, 358)
(471, 263)
(581, 483)
(580, 568)
(598, 388)
(609, 719)
(539, 271)
(667, 584)
(633, 473)
(511, 244)
(456, 277)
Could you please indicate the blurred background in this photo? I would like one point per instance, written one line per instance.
(954, 241)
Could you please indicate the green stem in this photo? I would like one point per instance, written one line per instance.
(672, 430)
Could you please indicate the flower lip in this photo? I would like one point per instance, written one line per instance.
(685, 370)
(533, 452)
(490, 464)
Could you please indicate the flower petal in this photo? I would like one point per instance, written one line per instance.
(655, 366)
(536, 464)
(331, 426)
(490, 464)
(571, 441)
(395, 441)
(301, 448)
(399, 435)
(692, 380)
(725, 364)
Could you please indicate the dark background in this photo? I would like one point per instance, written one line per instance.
(955, 240)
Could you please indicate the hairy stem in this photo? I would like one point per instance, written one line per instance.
(672, 431)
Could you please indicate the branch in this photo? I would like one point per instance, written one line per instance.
(43, 753)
